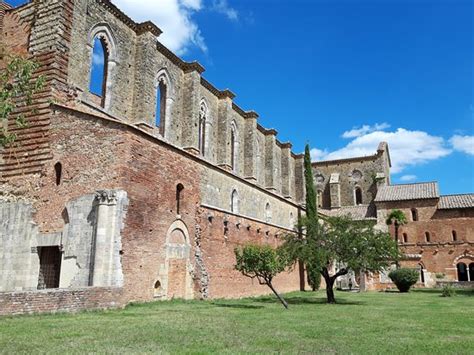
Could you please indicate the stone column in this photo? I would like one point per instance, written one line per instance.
(250, 149)
(286, 170)
(335, 190)
(270, 147)
(106, 201)
(300, 190)
(192, 95)
(224, 119)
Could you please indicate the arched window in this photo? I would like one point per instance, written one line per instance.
(462, 272)
(455, 236)
(234, 147)
(202, 127)
(427, 237)
(320, 198)
(414, 215)
(358, 195)
(58, 169)
(234, 202)
(292, 221)
(268, 213)
(405, 238)
(179, 196)
(99, 68)
(161, 94)
(422, 274)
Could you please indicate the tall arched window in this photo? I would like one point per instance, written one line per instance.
(462, 272)
(405, 238)
(358, 195)
(179, 196)
(234, 202)
(99, 68)
(103, 62)
(414, 215)
(320, 198)
(202, 127)
(268, 213)
(427, 237)
(422, 274)
(234, 147)
(454, 235)
(160, 116)
(58, 169)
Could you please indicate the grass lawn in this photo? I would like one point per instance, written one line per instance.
(418, 322)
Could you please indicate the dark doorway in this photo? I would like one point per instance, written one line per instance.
(50, 267)
(462, 272)
(471, 271)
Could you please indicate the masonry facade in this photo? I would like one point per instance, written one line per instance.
(147, 184)
(130, 189)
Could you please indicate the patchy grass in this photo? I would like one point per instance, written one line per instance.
(417, 322)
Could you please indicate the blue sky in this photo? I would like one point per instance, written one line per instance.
(341, 75)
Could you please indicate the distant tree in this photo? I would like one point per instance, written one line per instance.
(397, 218)
(261, 262)
(17, 87)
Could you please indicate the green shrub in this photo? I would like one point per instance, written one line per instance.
(404, 278)
(314, 277)
(448, 291)
(440, 275)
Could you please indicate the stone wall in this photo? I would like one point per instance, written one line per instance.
(355, 172)
(61, 300)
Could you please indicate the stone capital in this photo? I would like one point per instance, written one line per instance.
(106, 197)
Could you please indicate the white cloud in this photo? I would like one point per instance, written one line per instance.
(222, 6)
(407, 148)
(174, 17)
(318, 154)
(408, 177)
(357, 132)
(463, 144)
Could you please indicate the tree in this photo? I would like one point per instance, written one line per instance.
(397, 218)
(17, 87)
(314, 277)
(261, 262)
(354, 244)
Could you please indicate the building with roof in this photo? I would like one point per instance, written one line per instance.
(438, 238)
(140, 188)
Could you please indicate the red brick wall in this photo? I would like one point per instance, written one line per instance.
(61, 300)
(439, 255)
(218, 253)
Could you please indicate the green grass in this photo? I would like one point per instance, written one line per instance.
(417, 322)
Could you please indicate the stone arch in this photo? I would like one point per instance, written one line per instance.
(268, 212)
(165, 87)
(175, 274)
(103, 32)
(234, 201)
(205, 128)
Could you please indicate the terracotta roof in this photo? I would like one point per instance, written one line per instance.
(419, 191)
(355, 212)
(456, 201)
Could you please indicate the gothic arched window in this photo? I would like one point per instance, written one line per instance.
(358, 196)
(234, 202)
(234, 147)
(268, 213)
(462, 272)
(99, 68)
(202, 128)
(414, 215)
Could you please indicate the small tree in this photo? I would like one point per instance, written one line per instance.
(404, 278)
(17, 87)
(397, 218)
(260, 262)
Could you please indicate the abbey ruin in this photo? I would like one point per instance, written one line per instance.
(142, 191)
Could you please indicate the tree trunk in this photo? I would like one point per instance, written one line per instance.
(330, 289)
(283, 302)
(301, 270)
(396, 241)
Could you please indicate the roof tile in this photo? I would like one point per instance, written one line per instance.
(424, 190)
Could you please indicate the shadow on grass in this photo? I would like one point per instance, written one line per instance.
(236, 305)
(309, 300)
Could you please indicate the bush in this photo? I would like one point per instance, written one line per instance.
(448, 291)
(440, 275)
(404, 278)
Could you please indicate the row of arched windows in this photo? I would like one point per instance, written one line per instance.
(454, 237)
(102, 52)
(358, 200)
